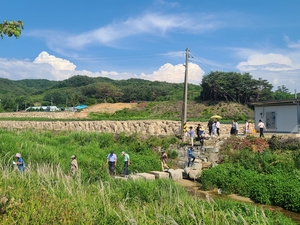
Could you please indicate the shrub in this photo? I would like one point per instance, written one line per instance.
(234, 143)
(281, 189)
(279, 142)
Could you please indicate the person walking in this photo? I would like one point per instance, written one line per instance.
(192, 136)
(261, 127)
(20, 162)
(197, 131)
(214, 130)
(112, 162)
(210, 127)
(191, 157)
(126, 163)
(233, 127)
(236, 127)
(164, 160)
(74, 166)
(218, 125)
(250, 127)
(201, 136)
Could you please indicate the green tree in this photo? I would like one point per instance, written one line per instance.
(282, 92)
(233, 86)
(102, 90)
(11, 28)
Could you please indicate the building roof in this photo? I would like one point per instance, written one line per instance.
(293, 101)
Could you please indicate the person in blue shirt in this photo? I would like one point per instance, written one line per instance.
(192, 135)
(112, 162)
(20, 162)
(191, 157)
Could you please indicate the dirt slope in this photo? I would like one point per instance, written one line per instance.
(104, 108)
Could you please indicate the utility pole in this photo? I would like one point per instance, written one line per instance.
(184, 105)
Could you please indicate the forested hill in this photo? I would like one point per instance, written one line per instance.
(23, 87)
(86, 90)
(79, 89)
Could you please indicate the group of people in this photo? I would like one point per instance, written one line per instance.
(213, 128)
(111, 161)
(250, 129)
(234, 127)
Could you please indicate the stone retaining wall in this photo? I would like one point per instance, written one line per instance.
(150, 127)
(49, 115)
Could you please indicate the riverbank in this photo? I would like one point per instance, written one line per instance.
(193, 188)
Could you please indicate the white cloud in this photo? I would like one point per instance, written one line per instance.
(291, 44)
(49, 67)
(269, 62)
(278, 69)
(57, 63)
(176, 74)
(149, 23)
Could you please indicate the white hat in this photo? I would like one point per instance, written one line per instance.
(123, 153)
(18, 155)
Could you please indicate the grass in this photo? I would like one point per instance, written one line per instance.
(46, 194)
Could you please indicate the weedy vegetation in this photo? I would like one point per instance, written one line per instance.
(47, 194)
(268, 175)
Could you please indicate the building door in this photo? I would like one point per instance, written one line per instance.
(271, 120)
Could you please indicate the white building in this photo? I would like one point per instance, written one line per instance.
(43, 108)
(282, 116)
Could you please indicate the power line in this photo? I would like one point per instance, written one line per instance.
(197, 59)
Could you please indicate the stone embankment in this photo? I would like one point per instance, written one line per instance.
(49, 115)
(147, 127)
(150, 127)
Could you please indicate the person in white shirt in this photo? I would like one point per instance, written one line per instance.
(261, 127)
(236, 127)
(213, 130)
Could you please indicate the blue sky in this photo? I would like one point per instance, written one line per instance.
(147, 39)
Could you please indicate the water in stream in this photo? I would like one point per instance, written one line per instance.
(193, 189)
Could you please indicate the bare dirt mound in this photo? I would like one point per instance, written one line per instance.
(104, 108)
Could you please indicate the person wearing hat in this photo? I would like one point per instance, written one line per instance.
(74, 165)
(112, 162)
(201, 135)
(126, 163)
(164, 159)
(20, 162)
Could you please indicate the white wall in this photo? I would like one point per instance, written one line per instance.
(286, 117)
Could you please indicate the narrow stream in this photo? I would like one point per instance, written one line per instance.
(193, 188)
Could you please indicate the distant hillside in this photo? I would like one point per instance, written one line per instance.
(79, 89)
(16, 95)
(23, 87)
